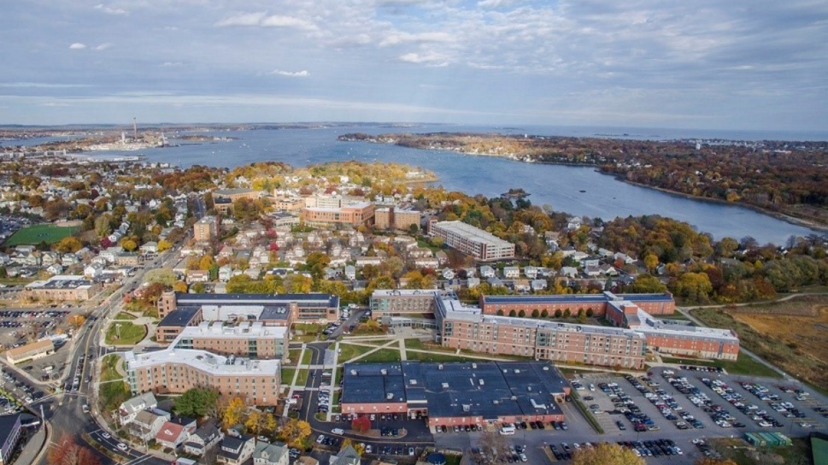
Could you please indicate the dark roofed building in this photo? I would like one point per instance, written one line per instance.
(171, 326)
(456, 393)
(9, 436)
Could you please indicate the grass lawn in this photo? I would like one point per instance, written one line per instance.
(293, 355)
(348, 351)
(130, 334)
(744, 365)
(413, 344)
(307, 357)
(382, 356)
(453, 459)
(287, 375)
(35, 234)
(437, 357)
(307, 328)
(124, 316)
(302, 379)
(799, 452)
(108, 371)
(112, 392)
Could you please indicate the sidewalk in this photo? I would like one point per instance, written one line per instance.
(37, 444)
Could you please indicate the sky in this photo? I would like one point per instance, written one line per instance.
(701, 64)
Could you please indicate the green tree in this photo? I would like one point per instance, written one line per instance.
(651, 262)
(197, 402)
(295, 431)
(316, 263)
(647, 284)
(164, 276)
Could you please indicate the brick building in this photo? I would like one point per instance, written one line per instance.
(206, 229)
(451, 394)
(174, 371)
(62, 288)
(246, 339)
(353, 214)
(472, 241)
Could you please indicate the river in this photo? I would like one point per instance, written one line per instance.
(558, 186)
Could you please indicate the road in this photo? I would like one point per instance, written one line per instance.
(65, 410)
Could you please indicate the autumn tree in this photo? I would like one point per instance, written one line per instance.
(361, 424)
(68, 452)
(606, 454)
(164, 276)
(295, 431)
(69, 244)
(234, 413)
(651, 262)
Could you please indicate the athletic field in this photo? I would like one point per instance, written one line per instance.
(35, 234)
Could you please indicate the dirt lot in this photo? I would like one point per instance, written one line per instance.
(792, 334)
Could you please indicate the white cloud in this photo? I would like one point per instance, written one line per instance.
(405, 38)
(77, 46)
(103, 46)
(110, 10)
(171, 64)
(261, 19)
(495, 3)
(246, 19)
(287, 21)
(431, 59)
(278, 72)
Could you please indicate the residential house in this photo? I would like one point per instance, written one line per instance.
(203, 439)
(198, 276)
(54, 269)
(426, 262)
(511, 272)
(522, 285)
(539, 284)
(346, 456)
(591, 262)
(236, 450)
(608, 270)
(149, 247)
(448, 273)
(148, 423)
(531, 272)
(225, 273)
(171, 435)
(129, 408)
(110, 254)
(350, 272)
(270, 454)
(472, 282)
(363, 261)
(487, 271)
(569, 272)
(624, 257)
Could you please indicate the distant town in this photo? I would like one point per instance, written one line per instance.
(352, 313)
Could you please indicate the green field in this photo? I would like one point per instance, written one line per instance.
(348, 351)
(130, 334)
(113, 391)
(381, 356)
(35, 234)
(744, 365)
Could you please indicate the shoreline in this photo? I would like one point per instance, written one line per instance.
(819, 227)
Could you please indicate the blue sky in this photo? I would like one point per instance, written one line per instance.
(708, 64)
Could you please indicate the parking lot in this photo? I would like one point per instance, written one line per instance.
(668, 403)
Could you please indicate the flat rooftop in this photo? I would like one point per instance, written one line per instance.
(61, 282)
(255, 299)
(181, 317)
(245, 330)
(204, 361)
(471, 233)
(485, 389)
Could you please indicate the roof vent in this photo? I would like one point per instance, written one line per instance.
(353, 372)
(413, 382)
(445, 385)
(474, 365)
(440, 366)
(482, 382)
(514, 398)
(389, 396)
(466, 408)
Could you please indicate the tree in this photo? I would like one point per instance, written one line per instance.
(102, 228)
(67, 452)
(361, 424)
(558, 313)
(76, 321)
(712, 461)
(180, 286)
(254, 422)
(606, 454)
(197, 402)
(206, 262)
(295, 431)
(129, 245)
(651, 262)
(164, 245)
(164, 276)
(234, 413)
(69, 244)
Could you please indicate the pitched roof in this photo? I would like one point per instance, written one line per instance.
(169, 432)
(142, 402)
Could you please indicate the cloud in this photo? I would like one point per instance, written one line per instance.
(278, 72)
(171, 64)
(77, 46)
(261, 19)
(41, 85)
(103, 46)
(405, 38)
(495, 3)
(431, 59)
(110, 10)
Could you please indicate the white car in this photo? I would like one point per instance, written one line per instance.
(122, 446)
(105, 435)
